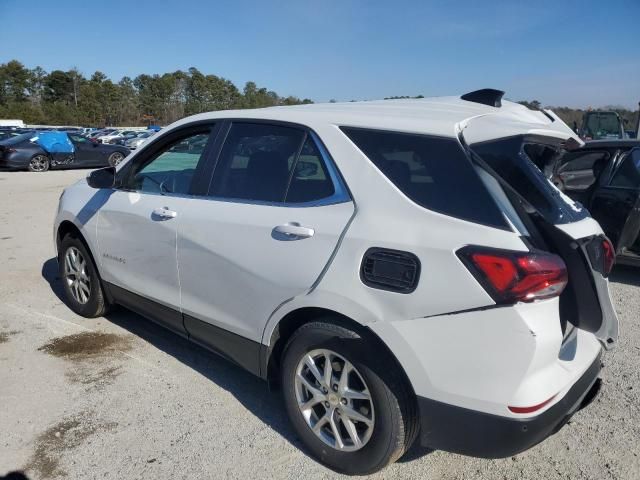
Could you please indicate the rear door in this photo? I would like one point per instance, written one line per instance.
(272, 217)
(616, 202)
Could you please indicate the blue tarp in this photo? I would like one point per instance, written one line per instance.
(55, 142)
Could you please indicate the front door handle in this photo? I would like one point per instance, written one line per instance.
(164, 213)
(292, 231)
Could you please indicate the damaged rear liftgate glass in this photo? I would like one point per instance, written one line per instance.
(547, 220)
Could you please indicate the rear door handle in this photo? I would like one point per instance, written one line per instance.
(164, 213)
(292, 231)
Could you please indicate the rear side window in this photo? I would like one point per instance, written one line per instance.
(271, 163)
(311, 180)
(579, 161)
(433, 172)
(256, 162)
(578, 170)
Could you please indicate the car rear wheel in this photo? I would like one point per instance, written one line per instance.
(354, 411)
(82, 286)
(39, 163)
(115, 158)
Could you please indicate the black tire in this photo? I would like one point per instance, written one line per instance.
(39, 163)
(396, 421)
(96, 304)
(115, 158)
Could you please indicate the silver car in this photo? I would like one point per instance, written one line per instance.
(138, 140)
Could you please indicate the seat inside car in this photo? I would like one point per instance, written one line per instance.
(266, 177)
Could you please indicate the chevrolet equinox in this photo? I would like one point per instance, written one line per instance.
(400, 269)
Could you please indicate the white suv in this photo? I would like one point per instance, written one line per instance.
(401, 269)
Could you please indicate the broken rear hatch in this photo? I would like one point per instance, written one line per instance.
(546, 218)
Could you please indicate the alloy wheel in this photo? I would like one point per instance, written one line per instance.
(115, 159)
(334, 400)
(39, 163)
(75, 274)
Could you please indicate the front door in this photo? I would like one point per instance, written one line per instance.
(615, 203)
(273, 216)
(87, 154)
(137, 226)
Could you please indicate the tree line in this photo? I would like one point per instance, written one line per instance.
(69, 98)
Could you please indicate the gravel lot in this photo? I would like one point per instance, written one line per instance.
(119, 397)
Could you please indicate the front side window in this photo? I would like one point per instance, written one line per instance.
(171, 170)
(628, 173)
(433, 172)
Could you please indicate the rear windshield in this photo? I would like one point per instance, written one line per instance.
(510, 159)
(434, 172)
(18, 138)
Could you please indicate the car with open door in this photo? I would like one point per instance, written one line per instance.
(615, 203)
(603, 176)
(401, 269)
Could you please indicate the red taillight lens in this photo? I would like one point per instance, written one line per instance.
(516, 276)
(609, 256)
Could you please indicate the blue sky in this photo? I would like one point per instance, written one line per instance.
(560, 52)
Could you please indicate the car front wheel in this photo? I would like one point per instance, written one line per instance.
(82, 287)
(350, 406)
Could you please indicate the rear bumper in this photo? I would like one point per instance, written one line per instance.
(469, 432)
(12, 164)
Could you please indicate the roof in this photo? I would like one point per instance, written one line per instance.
(440, 116)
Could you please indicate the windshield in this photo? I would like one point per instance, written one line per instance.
(509, 159)
(601, 125)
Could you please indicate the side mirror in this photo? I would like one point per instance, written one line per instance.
(102, 178)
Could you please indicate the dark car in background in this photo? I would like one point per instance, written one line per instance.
(22, 153)
(604, 176)
(10, 133)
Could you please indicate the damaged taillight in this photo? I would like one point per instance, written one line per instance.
(602, 254)
(510, 276)
(609, 257)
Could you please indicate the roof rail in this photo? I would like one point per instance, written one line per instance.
(486, 96)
